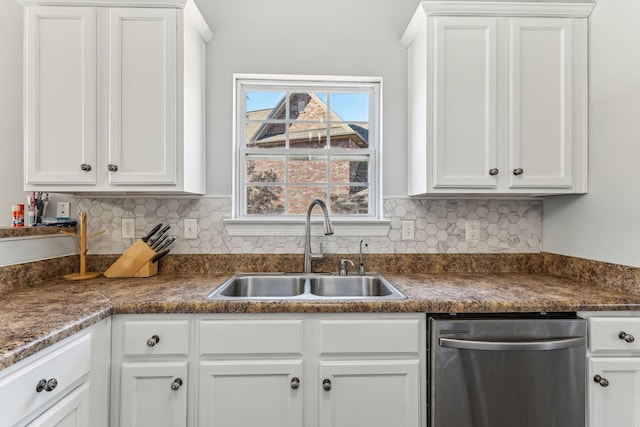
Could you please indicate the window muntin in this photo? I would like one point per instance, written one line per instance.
(299, 140)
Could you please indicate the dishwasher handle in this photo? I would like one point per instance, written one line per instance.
(550, 344)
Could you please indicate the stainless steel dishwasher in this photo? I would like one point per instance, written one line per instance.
(507, 372)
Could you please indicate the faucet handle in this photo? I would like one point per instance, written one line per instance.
(343, 266)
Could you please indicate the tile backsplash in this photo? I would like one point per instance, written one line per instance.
(506, 226)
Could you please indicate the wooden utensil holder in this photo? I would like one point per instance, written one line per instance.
(135, 262)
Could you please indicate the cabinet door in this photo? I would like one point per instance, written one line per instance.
(148, 397)
(375, 393)
(250, 393)
(464, 148)
(60, 100)
(617, 404)
(142, 96)
(72, 411)
(540, 103)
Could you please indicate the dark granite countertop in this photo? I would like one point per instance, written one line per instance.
(36, 317)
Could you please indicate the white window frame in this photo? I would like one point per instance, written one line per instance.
(372, 224)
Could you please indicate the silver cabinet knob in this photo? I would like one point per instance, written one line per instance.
(326, 384)
(626, 337)
(494, 171)
(112, 168)
(41, 385)
(602, 381)
(176, 384)
(518, 171)
(44, 385)
(295, 383)
(51, 384)
(85, 167)
(153, 341)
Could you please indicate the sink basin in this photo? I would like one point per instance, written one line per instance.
(261, 286)
(305, 287)
(351, 286)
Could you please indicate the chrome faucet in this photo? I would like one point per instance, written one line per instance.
(361, 268)
(309, 256)
(343, 266)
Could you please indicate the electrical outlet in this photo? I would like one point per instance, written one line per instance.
(407, 230)
(472, 227)
(190, 228)
(128, 228)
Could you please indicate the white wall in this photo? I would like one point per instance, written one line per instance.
(605, 224)
(333, 37)
(11, 182)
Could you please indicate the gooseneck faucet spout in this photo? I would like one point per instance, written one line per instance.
(361, 268)
(309, 257)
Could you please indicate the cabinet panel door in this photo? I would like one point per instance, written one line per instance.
(250, 393)
(617, 403)
(540, 102)
(464, 145)
(60, 103)
(375, 393)
(142, 96)
(72, 411)
(146, 396)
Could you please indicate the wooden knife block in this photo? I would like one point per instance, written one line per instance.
(135, 262)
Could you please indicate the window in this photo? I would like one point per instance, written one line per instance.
(298, 139)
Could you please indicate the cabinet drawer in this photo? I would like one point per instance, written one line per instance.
(369, 336)
(251, 337)
(159, 337)
(18, 394)
(607, 333)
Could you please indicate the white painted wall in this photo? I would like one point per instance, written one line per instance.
(11, 181)
(333, 37)
(605, 224)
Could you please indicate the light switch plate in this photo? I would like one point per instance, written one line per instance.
(190, 228)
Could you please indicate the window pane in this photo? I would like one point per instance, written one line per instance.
(352, 136)
(267, 169)
(305, 135)
(261, 105)
(265, 135)
(350, 106)
(349, 200)
(308, 106)
(265, 200)
(304, 169)
(301, 196)
(349, 169)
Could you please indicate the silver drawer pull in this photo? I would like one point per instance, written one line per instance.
(153, 341)
(85, 167)
(518, 171)
(44, 385)
(112, 167)
(626, 337)
(326, 384)
(493, 171)
(602, 381)
(176, 384)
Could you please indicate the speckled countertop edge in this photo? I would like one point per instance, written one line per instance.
(37, 317)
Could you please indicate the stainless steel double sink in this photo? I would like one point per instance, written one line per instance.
(268, 286)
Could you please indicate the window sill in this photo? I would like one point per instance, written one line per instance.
(290, 227)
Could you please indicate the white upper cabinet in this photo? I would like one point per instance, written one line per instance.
(498, 98)
(114, 98)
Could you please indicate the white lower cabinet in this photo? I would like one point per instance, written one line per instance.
(312, 370)
(613, 377)
(64, 385)
(269, 370)
(250, 393)
(370, 393)
(150, 370)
